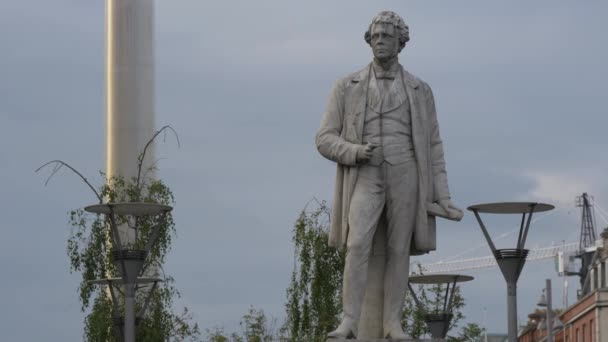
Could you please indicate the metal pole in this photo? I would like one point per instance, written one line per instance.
(527, 228)
(485, 326)
(512, 310)
(485, 231)
(549, 312)
(129, 313)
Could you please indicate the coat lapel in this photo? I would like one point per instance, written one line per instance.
(360, 95)
(418, 129)
(411, 85)
(374, 99)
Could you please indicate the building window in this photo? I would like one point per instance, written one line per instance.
(595, 276)
(577, 337)
(603, 275)
(584, 333)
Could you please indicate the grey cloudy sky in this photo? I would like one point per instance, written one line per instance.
(520, 88)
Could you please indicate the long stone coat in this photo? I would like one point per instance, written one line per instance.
(341, 132)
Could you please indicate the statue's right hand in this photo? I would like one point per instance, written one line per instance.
(364, 152)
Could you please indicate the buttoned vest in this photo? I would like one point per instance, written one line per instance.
(388, 123)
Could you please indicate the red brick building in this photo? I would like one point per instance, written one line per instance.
(584, 321)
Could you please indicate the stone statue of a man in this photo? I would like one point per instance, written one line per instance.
(380, 127)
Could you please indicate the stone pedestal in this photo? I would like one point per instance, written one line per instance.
(379, 340)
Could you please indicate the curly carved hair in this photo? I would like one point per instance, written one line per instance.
(389, 17)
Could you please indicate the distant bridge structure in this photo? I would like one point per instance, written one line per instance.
(489, 261)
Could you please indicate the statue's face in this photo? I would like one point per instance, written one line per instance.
(384, 41)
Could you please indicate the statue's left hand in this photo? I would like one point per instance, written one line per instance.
(453, 211)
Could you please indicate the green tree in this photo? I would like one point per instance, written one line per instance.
(89, 248)
(468, 333)
(218, 335)
(255, 326)
(314, 300)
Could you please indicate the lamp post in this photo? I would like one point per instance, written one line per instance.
(129, 256)
(546, 301)
(438, 320)
(510, 260)
(119, 320)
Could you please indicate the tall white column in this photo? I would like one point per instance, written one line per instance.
(129, 104)
(129, 84)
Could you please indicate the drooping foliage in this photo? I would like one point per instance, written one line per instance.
(255, 327)
(314, 300)
(89, 247)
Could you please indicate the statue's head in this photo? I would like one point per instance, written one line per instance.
(387, 35)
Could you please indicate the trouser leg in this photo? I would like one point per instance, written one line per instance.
(401, 208)
(365, 209)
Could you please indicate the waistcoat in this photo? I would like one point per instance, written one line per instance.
(388, 123)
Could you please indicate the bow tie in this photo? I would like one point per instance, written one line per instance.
(385, 76)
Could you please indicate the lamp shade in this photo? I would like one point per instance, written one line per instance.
(542, 301)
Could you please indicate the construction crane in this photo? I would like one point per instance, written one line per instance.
(587, 248)
(587, 221)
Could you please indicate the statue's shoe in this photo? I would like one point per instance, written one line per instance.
(345, 331)
(395, 332)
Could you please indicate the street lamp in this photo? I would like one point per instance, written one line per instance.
(511, 261)
(545, 301)
(117, 319)
(438, 320)
(129, 256)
